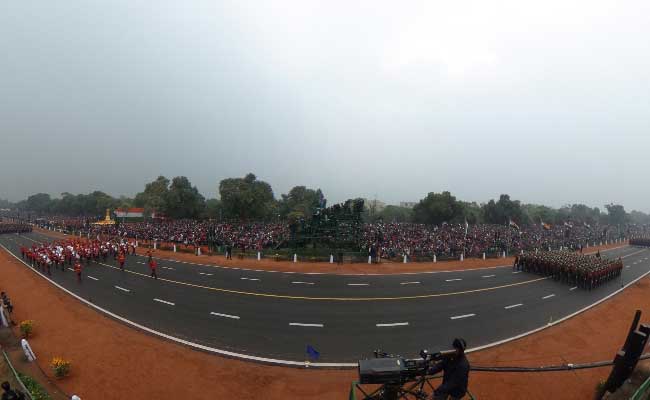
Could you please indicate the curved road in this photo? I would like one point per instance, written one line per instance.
(277, 314)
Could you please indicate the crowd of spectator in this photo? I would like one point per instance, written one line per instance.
(386, 240)
(397, 239)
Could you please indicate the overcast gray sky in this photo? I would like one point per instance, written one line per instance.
(548, 101)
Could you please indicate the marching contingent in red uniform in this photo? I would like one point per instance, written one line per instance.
(49, 257)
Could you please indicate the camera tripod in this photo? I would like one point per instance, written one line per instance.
(410, 390)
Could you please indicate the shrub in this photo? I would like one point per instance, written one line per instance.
(60, 367)
(26, 328)
(34, 388)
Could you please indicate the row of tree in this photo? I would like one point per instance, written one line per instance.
(244, 198)
(437, 208)
(251, 199)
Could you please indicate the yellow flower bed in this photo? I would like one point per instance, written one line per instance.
(60, 367)
(26, 327)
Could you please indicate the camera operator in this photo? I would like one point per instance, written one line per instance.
(456, 373)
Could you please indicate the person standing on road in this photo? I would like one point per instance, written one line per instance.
(77, 270)
(121, 260)
(153, 265)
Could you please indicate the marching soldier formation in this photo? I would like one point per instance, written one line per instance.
(644, 241)
(10, 227)
(586, 272)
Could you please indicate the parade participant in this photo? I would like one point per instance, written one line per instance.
(153, 265)
(77, 270)
(121, 260)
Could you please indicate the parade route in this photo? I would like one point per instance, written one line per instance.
(273, 316)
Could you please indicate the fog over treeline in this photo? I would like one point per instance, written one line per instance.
(251, 199)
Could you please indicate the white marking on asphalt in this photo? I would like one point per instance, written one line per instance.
(204, 273)
(92, 277)
(573, 288)
(122, 289)
(488, 276)
(358, 284)
(224, 315)
(168, 268)
(139, 262)
(627, 266)
(462, 316)
(70, 269)
(249, 279)
(288, 272)
(548, 297)
(307, 325)
(165, 302)
(517, 272)
(303, 283)
(392, 324)
(513, 306)
(453, 280)
(410, 283)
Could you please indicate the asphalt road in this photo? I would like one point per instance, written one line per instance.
(276, 314)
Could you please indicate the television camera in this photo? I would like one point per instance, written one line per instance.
(399, 377)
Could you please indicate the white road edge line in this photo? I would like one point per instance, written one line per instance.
(392, 324)
(122, 289)
(224, 315)
(165, 302)
(306, 325)
(513, 306)
(302, 363)
(462, 316)
(548, 297)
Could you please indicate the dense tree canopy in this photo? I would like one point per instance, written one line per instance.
(437, 208)
(247, 198)
(503, 210)
(154, 195)
(301, 202)
(182, 200)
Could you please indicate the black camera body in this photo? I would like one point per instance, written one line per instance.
(395, 370)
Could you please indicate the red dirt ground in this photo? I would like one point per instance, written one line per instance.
(113, 361)
(347, 268)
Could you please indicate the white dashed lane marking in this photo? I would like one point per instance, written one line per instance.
(410, 283)
(172, 268)
(517, 272)
(164, 302)
(93, 278)
(358, 284)
(453, 280)
(513, 306)
(392, 324)
(463, 316)
(573, 288)
(205, 273)
(303, 283)
(306, 325)
(548, 297)
(70, 269)
(224, 315)
(122, 289)
(488, 276)
(249, 279)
